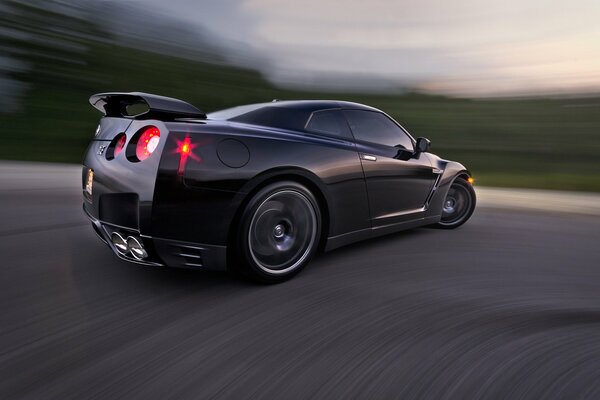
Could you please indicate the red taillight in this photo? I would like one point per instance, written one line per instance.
(147, 143)
(185, 150)
(120, 145)
(116, 146)
(185, 147)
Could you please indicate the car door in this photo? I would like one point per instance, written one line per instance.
(339, 167)
(398, 181)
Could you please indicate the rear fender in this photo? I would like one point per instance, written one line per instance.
(300, 175)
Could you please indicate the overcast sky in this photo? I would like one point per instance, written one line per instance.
(464, 47)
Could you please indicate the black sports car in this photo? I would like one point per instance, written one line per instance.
(259, 188)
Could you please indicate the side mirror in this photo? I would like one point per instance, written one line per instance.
(423, 145)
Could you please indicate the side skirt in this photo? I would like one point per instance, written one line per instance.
(335, 242)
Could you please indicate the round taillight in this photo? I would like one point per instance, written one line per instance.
(116, 146)
(147, 143)
(120, 145)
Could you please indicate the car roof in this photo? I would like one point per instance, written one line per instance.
(298, 105)
(315, 105)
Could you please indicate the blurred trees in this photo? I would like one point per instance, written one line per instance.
(51, 41)
(61, 53)
(50, 46)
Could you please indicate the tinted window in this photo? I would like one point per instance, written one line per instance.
(331, 122)
(375, 127)
(277, 117)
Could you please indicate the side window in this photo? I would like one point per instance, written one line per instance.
(330, 122)
(375, 127)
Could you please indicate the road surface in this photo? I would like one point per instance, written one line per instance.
(507, 306)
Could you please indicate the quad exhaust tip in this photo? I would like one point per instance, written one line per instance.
(119, 242)
(130, 245)
(136, 248)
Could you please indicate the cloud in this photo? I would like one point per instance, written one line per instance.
(459, 46)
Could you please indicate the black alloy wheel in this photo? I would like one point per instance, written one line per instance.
(458, 205)
(279, 232)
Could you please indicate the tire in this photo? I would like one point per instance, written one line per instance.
(458, 206)
(278, 233)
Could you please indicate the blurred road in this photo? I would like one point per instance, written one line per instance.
(508, 306)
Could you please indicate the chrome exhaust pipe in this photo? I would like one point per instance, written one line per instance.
(136, 248)
(119, 242)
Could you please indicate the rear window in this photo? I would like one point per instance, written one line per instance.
(277, 117)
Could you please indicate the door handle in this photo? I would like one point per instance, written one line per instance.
(368, 157)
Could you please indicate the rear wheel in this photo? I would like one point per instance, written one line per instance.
(458, 205)
(278, 233)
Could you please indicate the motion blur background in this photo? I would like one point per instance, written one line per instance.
(506, 307)
(511, 89)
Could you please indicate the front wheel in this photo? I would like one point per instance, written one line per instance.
(458, 205)
(278, 233)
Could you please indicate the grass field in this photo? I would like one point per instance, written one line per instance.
(538, 143)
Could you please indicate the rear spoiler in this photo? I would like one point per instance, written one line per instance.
(116, 104)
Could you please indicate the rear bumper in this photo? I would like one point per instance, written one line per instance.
(163, 252)
(150, 201)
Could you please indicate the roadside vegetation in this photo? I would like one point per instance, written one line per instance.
(538, 143)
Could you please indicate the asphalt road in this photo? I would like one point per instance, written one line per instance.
(508, 306)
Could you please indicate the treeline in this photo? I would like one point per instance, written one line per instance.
(57, 55)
